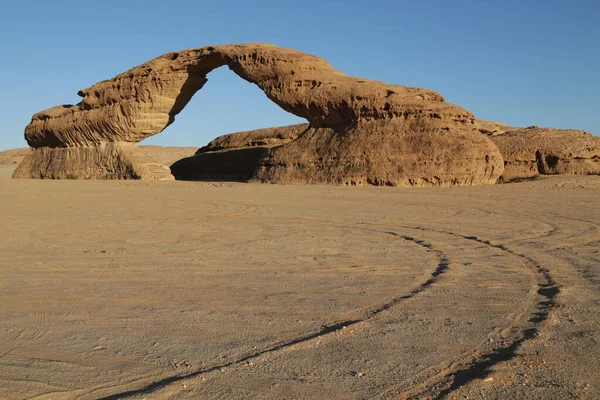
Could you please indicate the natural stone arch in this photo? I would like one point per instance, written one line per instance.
(97, 136)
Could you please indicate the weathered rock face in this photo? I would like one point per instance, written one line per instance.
(492, 128)
(366, 154)
(266, 137)
(531, 151)
(384, 153)
(340, 109)
(103, 161)
(235, 157)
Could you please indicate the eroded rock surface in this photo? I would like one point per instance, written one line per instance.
(535, 150)
(103, 161)
(492, 128)
(236, 156)
(384, 153)
(377, 127)
(371, 153)
(266, 137)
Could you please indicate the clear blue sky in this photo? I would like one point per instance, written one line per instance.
(527, 62)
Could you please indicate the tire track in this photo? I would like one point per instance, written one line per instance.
(431, 375)
(462, 372)
(18, 340)
(442, 267)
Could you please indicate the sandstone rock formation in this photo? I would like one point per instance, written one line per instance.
(108, 160)
(13, 156)
(361, 131)
(492, 128)
(527, 152)
(535, 150)
(236, 156)
(384, 152)
(266, 137)
(325, 155)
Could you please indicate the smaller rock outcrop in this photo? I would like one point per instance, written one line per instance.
(236, 165)
(265, 137)
(236, 156)
(535, 150)
(385, 153)
(381, 153)
(492, 128)
(14, 156)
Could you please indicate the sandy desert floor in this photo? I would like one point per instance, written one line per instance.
(137, 289)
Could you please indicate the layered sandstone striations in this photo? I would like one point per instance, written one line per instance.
(358, 155)
(384, 152)
(266, 137)
(535, 150)
(360, 130)
(110, 160)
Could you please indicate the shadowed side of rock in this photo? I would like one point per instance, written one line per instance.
(238, 164)
(235, 156)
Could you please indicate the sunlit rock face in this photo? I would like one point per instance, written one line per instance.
(359, 131)
(535, 151)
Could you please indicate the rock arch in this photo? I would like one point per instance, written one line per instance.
(359, 129)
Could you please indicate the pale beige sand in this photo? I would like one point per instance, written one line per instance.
(216, 291)
(6, 171)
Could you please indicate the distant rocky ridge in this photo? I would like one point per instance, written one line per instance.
(532, 151)
(13, 156)
(360, 131)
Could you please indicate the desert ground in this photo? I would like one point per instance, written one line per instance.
(185, 290)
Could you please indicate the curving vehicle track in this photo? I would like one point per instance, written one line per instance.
(191, 290)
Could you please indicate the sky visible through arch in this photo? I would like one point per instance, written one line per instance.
(523, 63)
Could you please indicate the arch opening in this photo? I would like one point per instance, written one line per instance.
(225, 104)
